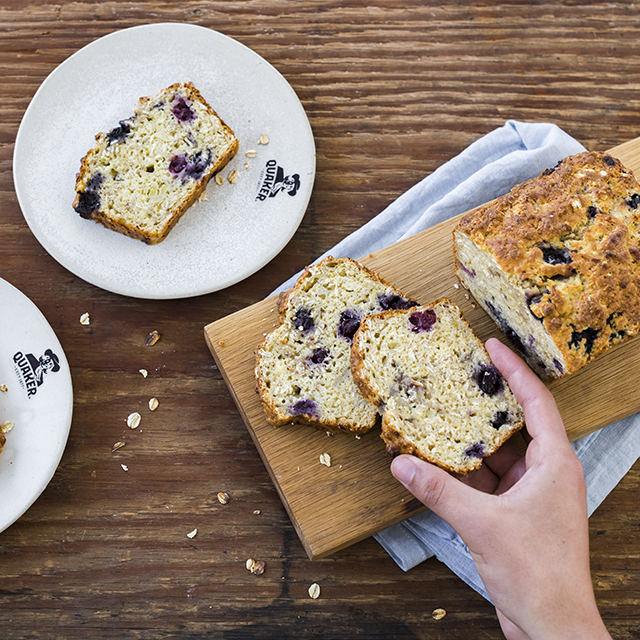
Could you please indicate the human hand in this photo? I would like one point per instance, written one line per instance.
(524, 519)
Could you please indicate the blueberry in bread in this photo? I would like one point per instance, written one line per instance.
(146, 172)
(442, 399)
(302, 368)
(555, 262)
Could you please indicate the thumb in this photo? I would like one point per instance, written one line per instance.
(442, 493)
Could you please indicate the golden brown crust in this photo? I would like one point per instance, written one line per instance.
(573, 234)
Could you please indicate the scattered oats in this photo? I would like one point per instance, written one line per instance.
(133, 420)
(7, 426)
(117, 445)
(203, 196)
(314, 591)
(233, 176)
(255, 566)
(256, 512)
(473, 305)
(258, 567)
(152, 338)
(144, 373)
(358, 437)
(219, 179)
(153, 404)
(466, 296)
(192, 534)
(456, 286)
(264, 139)
(329, 434)
(84, 319)
(222, 343)
(3, 388)
(252, 153)
(223, 498)
(124, 467)
(325, 459)
(438, 614)
(246, 166)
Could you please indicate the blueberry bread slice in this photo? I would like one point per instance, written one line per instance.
(303, 367)
(146, 172)
(555, 262)
(442, 399)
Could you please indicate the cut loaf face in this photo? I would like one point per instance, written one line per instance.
(555, 262)
(442, 399)
(146, 172)
(302, 368)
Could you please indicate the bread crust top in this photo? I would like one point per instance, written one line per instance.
(572, 237)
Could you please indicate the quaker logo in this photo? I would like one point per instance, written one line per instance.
(31, 371)
(274, 181)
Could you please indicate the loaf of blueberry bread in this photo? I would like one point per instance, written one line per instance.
(442, 399)
(146, 172)
(555, 262)
(303, 367)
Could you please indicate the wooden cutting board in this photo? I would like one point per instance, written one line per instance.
(334, 507)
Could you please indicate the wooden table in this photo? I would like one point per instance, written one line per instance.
(392, 91)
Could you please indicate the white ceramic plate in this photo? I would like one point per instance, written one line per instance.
(38, 400)
(219, 241)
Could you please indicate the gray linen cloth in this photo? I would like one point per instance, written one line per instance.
(488, 168)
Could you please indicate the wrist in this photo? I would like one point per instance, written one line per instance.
(557, 618)
(585, 627)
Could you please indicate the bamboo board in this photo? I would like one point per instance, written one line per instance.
(334, 507)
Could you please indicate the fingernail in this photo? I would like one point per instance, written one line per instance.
(403, 469)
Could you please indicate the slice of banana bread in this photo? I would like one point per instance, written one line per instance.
(302, 368)
(555, 262)
(145, 173)
(442, 399)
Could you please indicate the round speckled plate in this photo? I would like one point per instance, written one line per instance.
(219, 241)
(38, 399)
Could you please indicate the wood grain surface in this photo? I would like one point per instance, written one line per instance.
(392, 90)
(357, 496)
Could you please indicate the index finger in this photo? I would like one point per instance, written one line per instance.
(540, 410)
